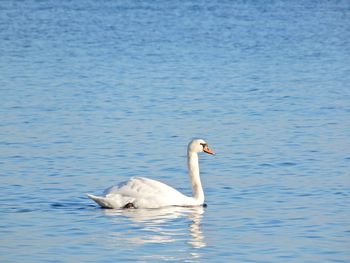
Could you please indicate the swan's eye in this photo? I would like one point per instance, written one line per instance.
(204, 145)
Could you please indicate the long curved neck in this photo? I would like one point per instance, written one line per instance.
(193, 173)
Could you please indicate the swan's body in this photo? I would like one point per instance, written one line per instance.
(140, 192)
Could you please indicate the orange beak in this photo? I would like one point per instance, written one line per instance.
(207, 150)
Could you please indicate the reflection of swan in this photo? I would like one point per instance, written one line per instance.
(197, 240)
(158, 225)
(139, 192)
(155, 216)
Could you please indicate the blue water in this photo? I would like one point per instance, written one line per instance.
(94, 92)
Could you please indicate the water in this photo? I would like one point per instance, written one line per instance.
(93, 92)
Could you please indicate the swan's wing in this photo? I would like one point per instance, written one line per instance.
(144, 192)
(140, 186)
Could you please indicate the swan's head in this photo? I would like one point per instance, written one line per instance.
(199, 145)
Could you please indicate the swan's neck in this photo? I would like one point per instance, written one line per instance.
(193, 172)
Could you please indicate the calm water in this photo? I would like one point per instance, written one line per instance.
(93, 92)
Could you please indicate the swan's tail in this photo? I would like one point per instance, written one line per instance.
(102, 201)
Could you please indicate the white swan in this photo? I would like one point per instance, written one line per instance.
(140, 192)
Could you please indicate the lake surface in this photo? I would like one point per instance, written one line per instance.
(94, 92)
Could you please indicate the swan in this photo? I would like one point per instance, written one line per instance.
(140, 192)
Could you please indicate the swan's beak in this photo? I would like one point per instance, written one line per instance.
(207, 150)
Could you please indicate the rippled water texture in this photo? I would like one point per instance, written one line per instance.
(94, 92)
